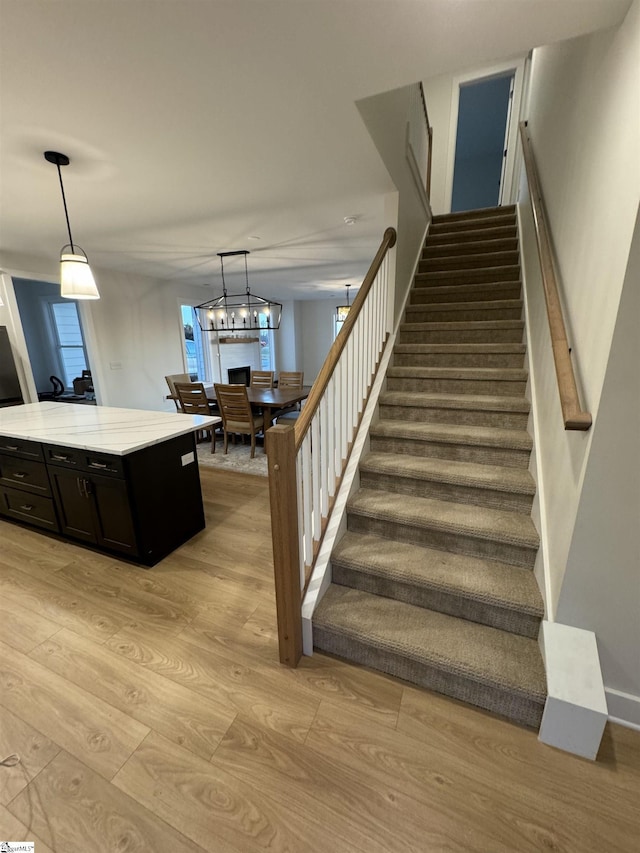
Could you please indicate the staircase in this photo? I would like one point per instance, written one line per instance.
(432, 582)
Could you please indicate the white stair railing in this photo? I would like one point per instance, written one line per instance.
(307, 461)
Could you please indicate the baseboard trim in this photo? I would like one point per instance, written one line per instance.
(624, 708)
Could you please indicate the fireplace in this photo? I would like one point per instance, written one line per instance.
(239, 375)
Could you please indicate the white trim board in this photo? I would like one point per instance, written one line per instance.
(624, 708)
(500, 69)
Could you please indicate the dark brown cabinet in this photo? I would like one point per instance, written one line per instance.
(94, 509)
(142, 505)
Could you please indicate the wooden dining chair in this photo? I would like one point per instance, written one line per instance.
(262, 378)
(237, 417)
(171, 380)
(193, 401)
(290, 379)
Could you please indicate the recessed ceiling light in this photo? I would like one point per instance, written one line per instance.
(350, 220)
(254, 237)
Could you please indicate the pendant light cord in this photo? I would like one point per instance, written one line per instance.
(64, 202)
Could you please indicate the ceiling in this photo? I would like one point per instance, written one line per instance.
(195, 126)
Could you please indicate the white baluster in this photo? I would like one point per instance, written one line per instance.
(331, 435)
(325, 456)
(307, 509)
(315, 473)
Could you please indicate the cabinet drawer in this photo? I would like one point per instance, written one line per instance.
(24, 474)
(84, 460)
(20, 448)
(32, 509)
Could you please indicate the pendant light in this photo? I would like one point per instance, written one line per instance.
(343, 310)
(76, 277)
(241, 311)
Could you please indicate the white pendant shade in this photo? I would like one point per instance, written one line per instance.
(76, 278)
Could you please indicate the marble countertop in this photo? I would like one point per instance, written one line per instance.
(99, 428)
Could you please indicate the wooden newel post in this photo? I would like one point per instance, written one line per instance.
(281, 452)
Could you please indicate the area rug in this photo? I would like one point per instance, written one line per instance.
(237, 459)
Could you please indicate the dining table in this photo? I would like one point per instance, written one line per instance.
(269, 400)
(266, 400)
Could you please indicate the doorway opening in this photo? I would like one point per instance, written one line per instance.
(484, 118)
(52, 328)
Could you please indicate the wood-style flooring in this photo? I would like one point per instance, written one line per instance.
(150, 713)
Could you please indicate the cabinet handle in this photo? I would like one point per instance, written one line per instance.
(79, 485)
(27, 507)
(11, 447)
(19, 475)
(57, 457)
(98, 465)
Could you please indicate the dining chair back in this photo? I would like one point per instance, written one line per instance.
(290, 379)
(237, 417)
(262, 378)
(193, 401)
(171, 380)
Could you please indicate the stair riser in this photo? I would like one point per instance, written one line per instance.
(456, 452)
(435, 599)
(462, 262)
(462, 417)
(446, 492)
(456, 227)
(430, 314)
(460, 336)
(465, 293)
(454, 542)
(506, 388)
(459, 359)
(460, 238)
(471, 247)
(447, 278)
(521, 710)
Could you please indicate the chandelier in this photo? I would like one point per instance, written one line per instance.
(343, 310)
(241, 311)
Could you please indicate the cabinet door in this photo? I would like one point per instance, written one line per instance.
(113, 522)
(73, 503)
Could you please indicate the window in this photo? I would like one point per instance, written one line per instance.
(266, 345)
(69, 340)
(339, 318)
(194, 348)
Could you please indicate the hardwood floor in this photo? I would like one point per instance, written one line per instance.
(150, 713)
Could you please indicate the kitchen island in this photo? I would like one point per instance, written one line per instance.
(124, 481)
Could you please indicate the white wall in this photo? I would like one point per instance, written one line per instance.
(317, 334)
(601, 587)
(585, 128)
(438, 93)
(386, 118)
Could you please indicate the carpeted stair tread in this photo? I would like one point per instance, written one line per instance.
(479, 522)
(463, 326)
(477, 349)
(510, 587)
(484, 305)
(515, 480)
(424, 276)
(455, 401)
(506, 231)
(476, 212)
(478, 436)
(506, 374)
(506, 243)
(485, 655)
(465, 292)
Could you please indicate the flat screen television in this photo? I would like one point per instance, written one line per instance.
(239, 375)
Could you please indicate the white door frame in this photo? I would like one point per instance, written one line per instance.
(516, 66)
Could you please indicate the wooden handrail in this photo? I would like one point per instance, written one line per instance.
(572, 414)
(430, 137)
(322, 380)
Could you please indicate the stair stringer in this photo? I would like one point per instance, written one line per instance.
(321, 577)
